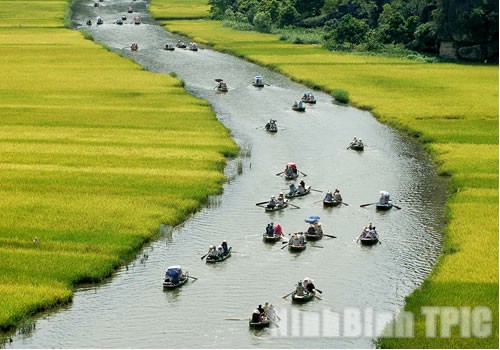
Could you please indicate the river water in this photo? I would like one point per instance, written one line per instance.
(132, 310)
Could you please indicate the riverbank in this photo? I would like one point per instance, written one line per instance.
(453, 108)
(96, 154)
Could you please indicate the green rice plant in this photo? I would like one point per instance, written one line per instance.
(180, 9)
(451, 107)
(91, 176)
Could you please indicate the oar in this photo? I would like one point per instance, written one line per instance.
(317, 297)
(260, 203)
(318, 290)
(285, 296)
(316, 246)
(345, 204)
(192, 277)
(312, 189)
(285, 245)
(267, 84)
(274, 323)
(329, 236)
(293, 205)
(321, 200)
(278, 174)
(203, 257)
(302, 173)
(397, 207)
(236, 319)
(365, 205)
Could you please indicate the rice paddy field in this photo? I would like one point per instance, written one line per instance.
(451, 107)
(95, 154)
(181, 9)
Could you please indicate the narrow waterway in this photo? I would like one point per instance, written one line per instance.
(132, 310)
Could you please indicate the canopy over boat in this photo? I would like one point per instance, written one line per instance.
(174, 272)
(312, 219)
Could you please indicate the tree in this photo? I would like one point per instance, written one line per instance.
(262, 22)
(219, 7)
(350, 30)
(288, 15)
(392, 26)
(309, 8)
(270, 6)
(426, 37)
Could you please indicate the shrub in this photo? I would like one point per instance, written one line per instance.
(262, 22)
(340, 95)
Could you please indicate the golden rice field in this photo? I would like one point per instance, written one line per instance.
(453, 108)
(181, 9)
(95, 153)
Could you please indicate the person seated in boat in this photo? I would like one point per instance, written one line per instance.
(270, 230)
(302, 239)
(366, 232)
(295, 104)
(272, 203)
(256, 316)
(266, 308)
(280, 202)
(89, 22)
(294, 239)
(212, 252)
(385, 197)
(311, 230)
(300, 290)
(329, 196)
(261, 310)
(301, 105)
(318, 228)
(278, 230)
(224, 246)
(310, 287)
(293, 189)
(302, 187)
(337, 196)
(220, 251)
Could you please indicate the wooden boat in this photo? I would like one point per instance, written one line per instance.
(276, 208)
(119, 22)
(180, 45)
(271, 126)
(297, 194)
(271, 239)
(291, 176)
(369, 240)
(99, 20)
(169, 47)
(174, 271)
(96, 4)
(357, 146)
(130, 9)
(215, 259)
(258, 82)
(89, 22)
(297, 247)
(134, 47)
(222, 87)
(299, 108)
(259, 325)
(192, 47)
(311, 101)
(302, 298)
(137, 20)
(124, 17)
(384, 206)
(313, 237)
(330, 203)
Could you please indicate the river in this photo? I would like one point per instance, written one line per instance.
(132, 310)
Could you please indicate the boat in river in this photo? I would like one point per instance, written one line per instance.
(330, 203)
(369, 240)
(134, 47)
(299, 107)
(192, 47)
(271, 239)
(316, 236)
(259, 81)
(216, 258)
(175, 277)
(278, 207)
(271, 126)
(307, 296)
(299, 194)
(385, 201)
(180, 44)
(357, 145)
(308, 98)
(99, 20)
(263, 323)
(137, 20)
(297, 247)
(169, 47)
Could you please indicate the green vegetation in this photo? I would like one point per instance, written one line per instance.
(340, 95)
(95, 153)
(369, 25)
(181, 9)
(451, 107)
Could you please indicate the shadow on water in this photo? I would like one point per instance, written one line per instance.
(132, 310)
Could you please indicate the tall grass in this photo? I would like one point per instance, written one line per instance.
(451, 107)
(91, 162)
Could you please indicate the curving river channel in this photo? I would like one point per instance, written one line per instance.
(132, 310)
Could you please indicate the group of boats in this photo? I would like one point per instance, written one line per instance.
(100, 20)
